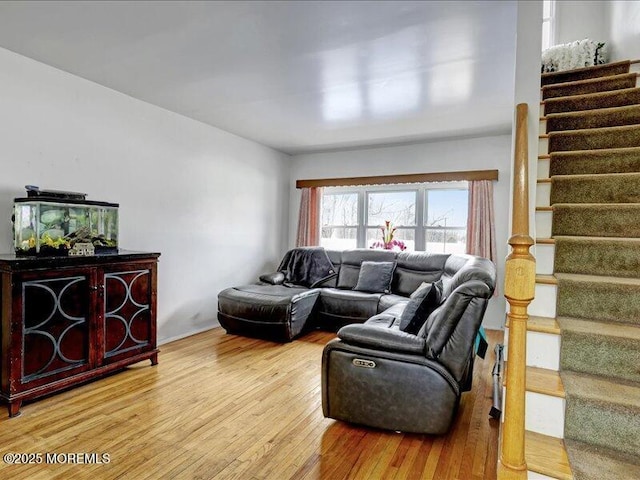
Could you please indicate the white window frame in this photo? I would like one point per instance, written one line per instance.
(421, 209)
(551, 21)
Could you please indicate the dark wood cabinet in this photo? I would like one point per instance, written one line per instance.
(67, 320)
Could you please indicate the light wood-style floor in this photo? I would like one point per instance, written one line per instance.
(225, 407)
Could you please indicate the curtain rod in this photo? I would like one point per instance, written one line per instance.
(468, 175)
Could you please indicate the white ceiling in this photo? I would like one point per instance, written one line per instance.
(297, 76)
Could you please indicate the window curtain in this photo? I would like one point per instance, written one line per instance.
(309, 217)
(481, 234)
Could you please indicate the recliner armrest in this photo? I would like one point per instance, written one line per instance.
(382, 338)
(275, 278)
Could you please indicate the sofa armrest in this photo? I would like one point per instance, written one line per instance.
(383, 338)
(275, 278)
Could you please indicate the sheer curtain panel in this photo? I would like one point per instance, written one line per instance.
(481, 235)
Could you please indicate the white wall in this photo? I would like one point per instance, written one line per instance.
(615, 22)
(527, 90)
(444, 156)
(577, 20)
(624, 26)
(214, 204)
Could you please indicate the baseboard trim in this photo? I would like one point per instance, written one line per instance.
(188, 334)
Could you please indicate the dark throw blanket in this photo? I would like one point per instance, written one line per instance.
(306, 266)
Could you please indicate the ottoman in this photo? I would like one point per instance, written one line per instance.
(272, 312)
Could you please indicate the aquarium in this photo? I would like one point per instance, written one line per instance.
(54, 225)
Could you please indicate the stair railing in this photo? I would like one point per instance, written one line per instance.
(519, 291)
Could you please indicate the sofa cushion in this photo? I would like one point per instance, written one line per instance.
(414, 268)
(358, 306)
(423, 302)
(461, 268)
(389, 318)
(375, 277)
(387, 301)
(351, 261)
(263, 303)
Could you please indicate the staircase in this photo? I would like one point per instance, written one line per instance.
(583, 338)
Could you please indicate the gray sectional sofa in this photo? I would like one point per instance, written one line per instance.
(377, 372)
(275, 310)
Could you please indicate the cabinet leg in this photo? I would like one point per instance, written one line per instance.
(154, 359)
(14, 408)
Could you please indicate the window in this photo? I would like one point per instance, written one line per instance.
(548, 23)
(339, 220)
(446, 220)
(431, 216)
(397, 207)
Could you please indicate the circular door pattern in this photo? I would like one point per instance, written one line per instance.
(55, 332)
(127, 317)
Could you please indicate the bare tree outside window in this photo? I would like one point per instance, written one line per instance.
(339, 221)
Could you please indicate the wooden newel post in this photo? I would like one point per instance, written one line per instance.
(520, 271)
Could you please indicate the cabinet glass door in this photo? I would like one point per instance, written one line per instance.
(55, 325)
(127, 312)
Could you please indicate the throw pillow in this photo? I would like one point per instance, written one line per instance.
(418, 291)
(375, 277)
(423, 302)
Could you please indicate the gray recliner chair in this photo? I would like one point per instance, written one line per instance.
(376, 375)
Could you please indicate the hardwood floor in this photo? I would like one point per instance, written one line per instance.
(225, 407)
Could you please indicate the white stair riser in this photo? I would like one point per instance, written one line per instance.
(543, 194)
(635, 68)
(544, 414)
(543, 350)
(543, 146)
(543, 125)
(538, 476)
(544, 258)
(544, 303)
(542, 109)
(543, 223)
(543, 167)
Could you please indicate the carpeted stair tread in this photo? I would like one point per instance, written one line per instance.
(603, 413)
(601, 188)
(602, 389)
(612, 160)
(596, 219)
(597, 348)
(595, 138)
(581, 87)
(590, 101)
(583, 73)
(591, 462)
(601, 329)
(605, 299)
(602, 117)
(616, 257)
(593, 143)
